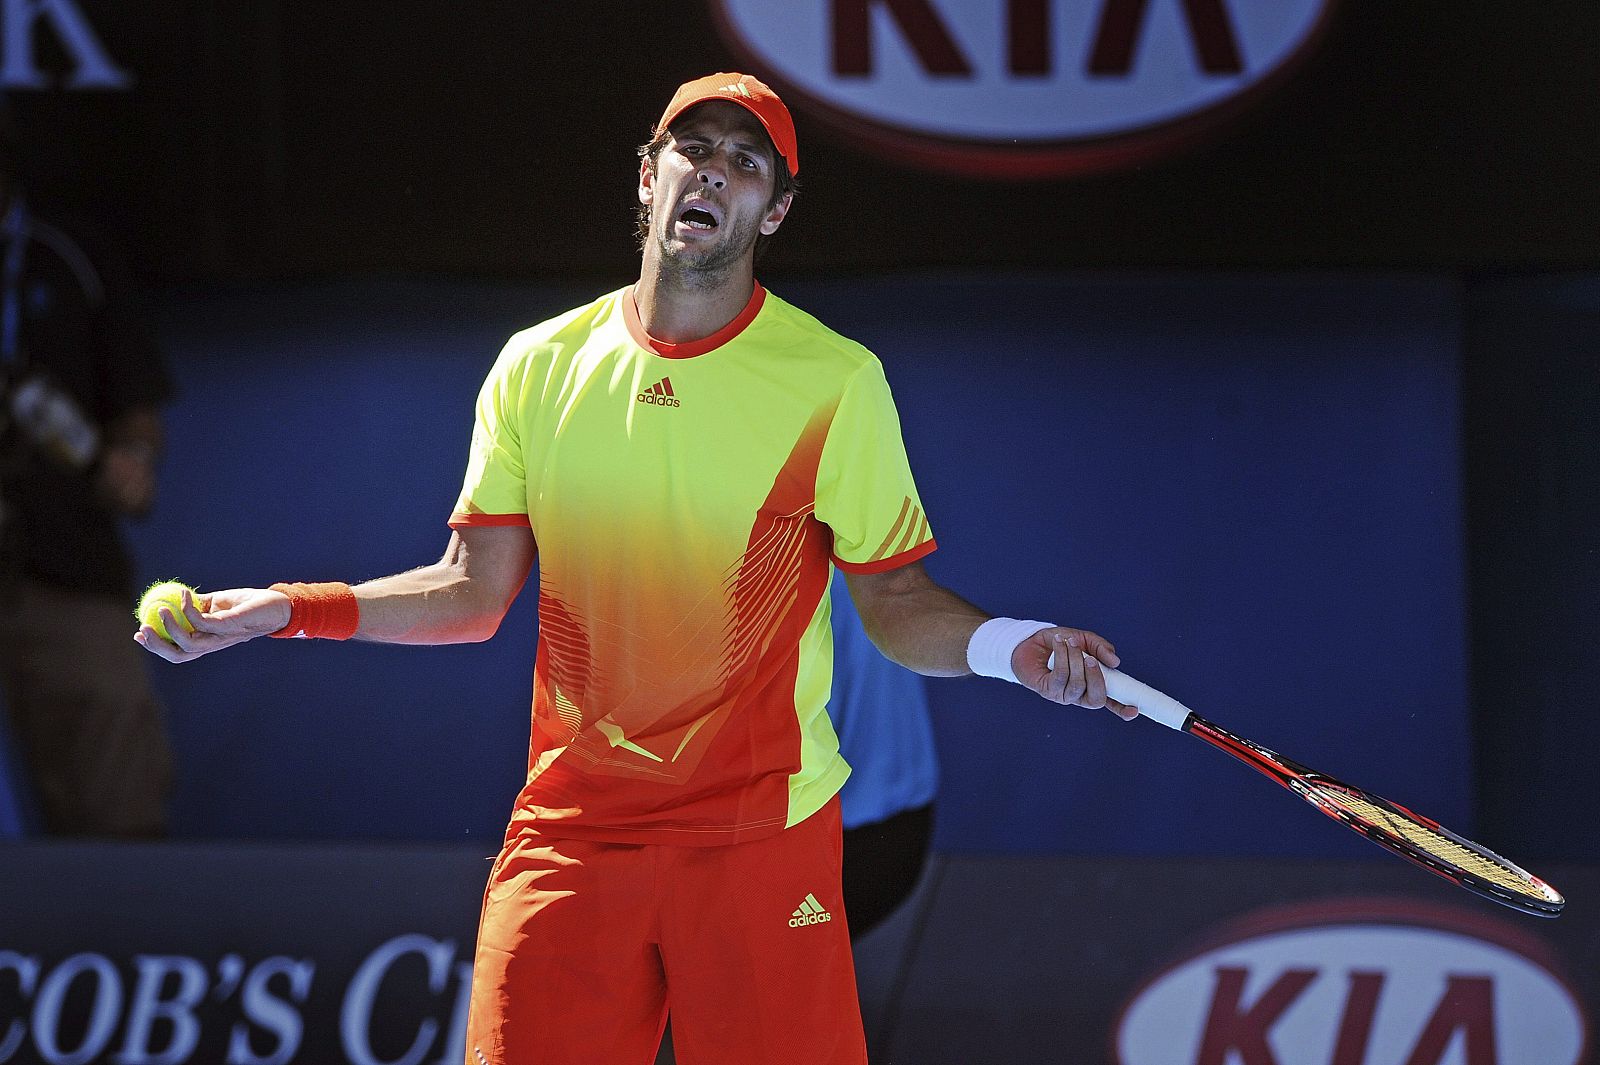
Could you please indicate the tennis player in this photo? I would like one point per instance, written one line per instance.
(688, 457)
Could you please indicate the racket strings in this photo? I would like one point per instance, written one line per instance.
(1420, 836)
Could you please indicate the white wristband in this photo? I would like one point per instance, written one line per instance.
(989, 650)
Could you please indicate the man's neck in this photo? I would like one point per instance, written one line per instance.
(681, 306)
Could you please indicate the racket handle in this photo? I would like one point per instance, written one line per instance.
(1157, 706)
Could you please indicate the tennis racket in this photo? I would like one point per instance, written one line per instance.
(1391, 826)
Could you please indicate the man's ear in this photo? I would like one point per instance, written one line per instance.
(774, 219)
(647, 177)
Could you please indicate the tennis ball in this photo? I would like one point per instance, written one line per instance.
(167, 594)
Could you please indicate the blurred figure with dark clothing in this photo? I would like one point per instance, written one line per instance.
(880, 713)
(82, 382)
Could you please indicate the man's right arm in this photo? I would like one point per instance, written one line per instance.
(459, 599)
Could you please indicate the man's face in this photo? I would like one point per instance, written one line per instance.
(710, 194)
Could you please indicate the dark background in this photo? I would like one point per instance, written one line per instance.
(493, 137)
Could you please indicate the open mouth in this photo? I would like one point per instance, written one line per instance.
(698, 218)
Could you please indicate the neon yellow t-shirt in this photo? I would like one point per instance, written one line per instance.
(686, 500)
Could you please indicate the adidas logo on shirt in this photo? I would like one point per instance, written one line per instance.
(810, 912)
(659, 394)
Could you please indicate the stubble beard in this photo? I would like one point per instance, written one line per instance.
(689, 267)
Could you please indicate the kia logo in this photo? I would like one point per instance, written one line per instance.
(1022, 88)
(1358, 983)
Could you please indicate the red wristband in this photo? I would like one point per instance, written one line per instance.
(319, 611)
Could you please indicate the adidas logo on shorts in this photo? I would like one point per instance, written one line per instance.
(810, 912)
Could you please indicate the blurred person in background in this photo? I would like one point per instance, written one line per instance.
(82, 383)
(880, 711)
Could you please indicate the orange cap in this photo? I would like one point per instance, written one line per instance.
(749, 93)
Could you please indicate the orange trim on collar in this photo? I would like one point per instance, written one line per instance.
(688, 349)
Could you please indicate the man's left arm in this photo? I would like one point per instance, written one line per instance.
(929, 629)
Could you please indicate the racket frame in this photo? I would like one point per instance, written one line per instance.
(1305, 782)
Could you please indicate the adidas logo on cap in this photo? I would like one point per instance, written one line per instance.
(810, 912)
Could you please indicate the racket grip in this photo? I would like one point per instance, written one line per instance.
(1157, 706)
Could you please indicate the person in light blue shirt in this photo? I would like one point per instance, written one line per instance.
(880, 712)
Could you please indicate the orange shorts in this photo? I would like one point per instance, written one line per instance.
(584, 947)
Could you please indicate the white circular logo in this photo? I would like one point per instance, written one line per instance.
(1021, 88)
(1360, 982)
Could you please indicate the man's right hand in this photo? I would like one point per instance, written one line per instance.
(219, 620)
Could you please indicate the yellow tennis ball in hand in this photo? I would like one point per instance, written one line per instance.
(167, 594)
